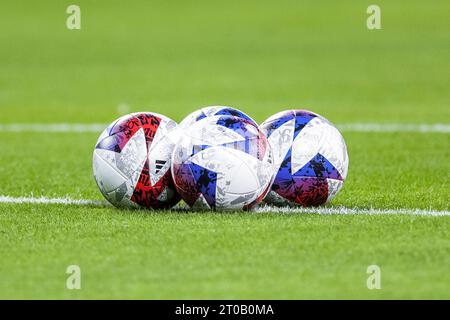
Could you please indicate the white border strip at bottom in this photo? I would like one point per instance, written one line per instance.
(262, 209)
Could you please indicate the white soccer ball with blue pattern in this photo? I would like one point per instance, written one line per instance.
(214, 111)
(222, 163)
(310, 158)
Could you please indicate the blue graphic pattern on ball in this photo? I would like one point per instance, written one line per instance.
(223, 162)
(309, 184)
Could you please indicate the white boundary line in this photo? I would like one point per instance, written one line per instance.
(394, 127)
(345, 127)
(44, 200)
(53, 127)
(262, 209)
(352, 211)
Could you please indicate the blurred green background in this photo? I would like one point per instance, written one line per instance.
(172, 57)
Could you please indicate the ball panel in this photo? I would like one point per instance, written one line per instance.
(125, 127)
(319, 137)
(237, 125)
(185, 183)
(243, 180)
(207, 132)
(107, 177)
(214, 111)
(302, 119)
(334, 186)
(270, 125)
(160, 152)
(206, 182)
(318, 167)
(114, 142)
(260, 198)
(304, 191)
(148, 195)
(227, 111)
(280, 140)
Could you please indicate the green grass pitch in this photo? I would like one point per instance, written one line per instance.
(172, 57)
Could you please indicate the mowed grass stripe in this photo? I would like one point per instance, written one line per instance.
(350, 127)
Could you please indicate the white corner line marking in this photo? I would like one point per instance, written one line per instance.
(345, 127)
(262, 209)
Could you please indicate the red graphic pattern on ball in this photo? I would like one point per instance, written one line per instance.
(147, 195)
(144, 194)
(305, 191)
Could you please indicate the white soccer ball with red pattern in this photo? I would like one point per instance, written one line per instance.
(132, 160)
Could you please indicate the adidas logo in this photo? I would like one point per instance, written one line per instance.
(159, 164)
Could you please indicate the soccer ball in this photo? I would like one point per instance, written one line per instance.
(214, 111)
(222, 163)
(131, 162)
(310, 157)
